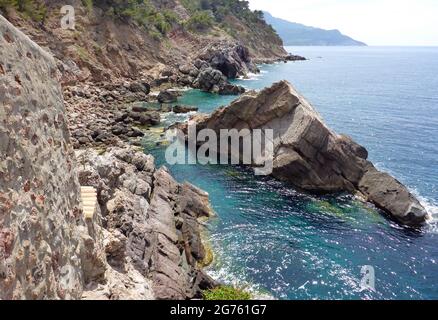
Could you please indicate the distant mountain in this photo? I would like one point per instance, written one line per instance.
(295, 34)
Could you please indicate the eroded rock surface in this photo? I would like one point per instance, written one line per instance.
(310, 155)
(143, 241)
(156, 217)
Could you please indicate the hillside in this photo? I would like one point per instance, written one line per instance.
(116, 39)
(295, 34)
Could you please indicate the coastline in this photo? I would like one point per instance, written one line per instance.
(146, 238)
(358, 225)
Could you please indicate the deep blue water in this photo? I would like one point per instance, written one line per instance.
(273, 239)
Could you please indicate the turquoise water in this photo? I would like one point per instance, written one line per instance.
(273, 239)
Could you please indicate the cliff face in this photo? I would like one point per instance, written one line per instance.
(40, 217)
(149, 225)
(114, 39)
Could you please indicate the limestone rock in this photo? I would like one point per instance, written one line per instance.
(143, 87)
(183, 109)
(152, 221)
(232, 60)
(212, 80)
(167, 96)
(310, 155)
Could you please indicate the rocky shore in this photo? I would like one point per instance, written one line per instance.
(311, 156)
(143, 240)
(149, 224)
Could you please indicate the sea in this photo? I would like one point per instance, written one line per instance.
(280, 243)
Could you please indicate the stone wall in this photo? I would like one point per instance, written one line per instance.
(40, 219)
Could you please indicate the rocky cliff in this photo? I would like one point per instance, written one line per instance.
(150, 228)
(143, 239)
(310, 155)
(145, 39)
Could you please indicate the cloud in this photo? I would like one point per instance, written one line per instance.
(377, 22)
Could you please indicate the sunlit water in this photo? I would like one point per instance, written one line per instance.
(274, 240)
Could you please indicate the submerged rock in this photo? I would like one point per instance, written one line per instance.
(310, 155)
(184, 109)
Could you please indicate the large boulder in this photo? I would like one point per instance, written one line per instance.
(233, 60)
(310, 155)
(167, 96)
(142, 87)
(184, 109)
(212, 80)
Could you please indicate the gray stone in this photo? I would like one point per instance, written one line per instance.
(310, 155)
(167, 96)
(184, 109)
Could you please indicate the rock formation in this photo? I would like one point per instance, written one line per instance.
(143, 241)
(212, 80)
(152, 219)
(310, 155)
(233, 60)
(167, 96)
(114, 44)
(184, 109)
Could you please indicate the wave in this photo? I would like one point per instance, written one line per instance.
(251, 77)
(228, 276)
(431, 207)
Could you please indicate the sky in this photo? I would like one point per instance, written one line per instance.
(375, 22)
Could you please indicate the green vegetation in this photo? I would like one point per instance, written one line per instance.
(200, 21)
(83, 54)
(222, 8)
(142, 12)
(33, 9)
(226, 293)
(205, 13)
(88, 5)
(155, 15)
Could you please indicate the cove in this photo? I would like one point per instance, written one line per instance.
(297, 246)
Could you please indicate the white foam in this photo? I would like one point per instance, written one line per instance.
(251, 77)
(432, 209)
(228, 277)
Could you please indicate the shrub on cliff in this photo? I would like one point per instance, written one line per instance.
(200, 21)
(226, 293)
(33, 9)
(141, 12)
